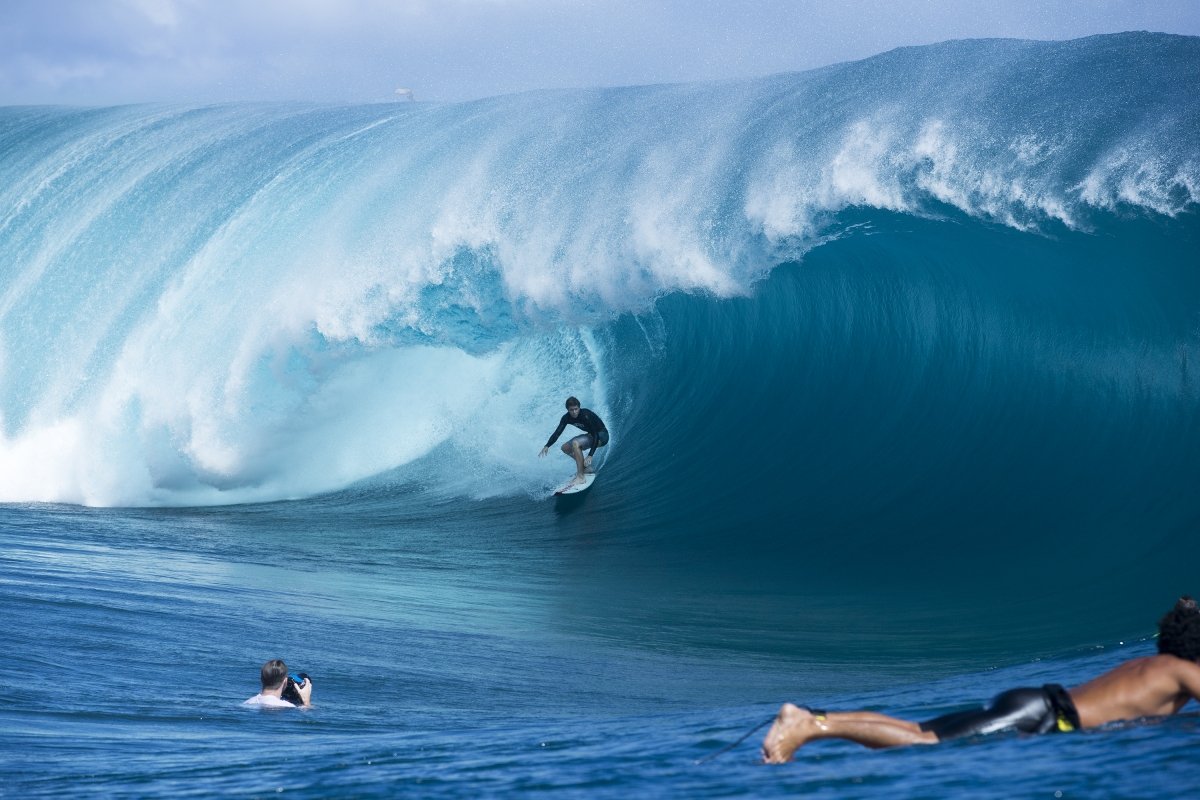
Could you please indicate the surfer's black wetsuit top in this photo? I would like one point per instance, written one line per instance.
(1033, 710)
(588, 421)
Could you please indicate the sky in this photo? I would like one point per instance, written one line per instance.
(105, 52)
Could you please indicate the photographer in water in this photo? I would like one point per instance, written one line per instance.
(281, 690)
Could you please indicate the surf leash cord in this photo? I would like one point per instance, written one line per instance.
(743, 738)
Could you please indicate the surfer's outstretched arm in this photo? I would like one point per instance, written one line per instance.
(562, 426)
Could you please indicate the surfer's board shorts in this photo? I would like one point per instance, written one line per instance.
(584, 440)
(1029, 710)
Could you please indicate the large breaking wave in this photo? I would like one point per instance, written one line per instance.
(969, 266)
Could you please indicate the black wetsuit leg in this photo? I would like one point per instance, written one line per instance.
(1029, 710)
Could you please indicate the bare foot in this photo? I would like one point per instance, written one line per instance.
(578, 479)
(793, 727)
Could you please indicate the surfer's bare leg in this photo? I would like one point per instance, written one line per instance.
(795, 726)
(573, 449)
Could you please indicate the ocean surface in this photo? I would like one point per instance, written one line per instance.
(900, 360)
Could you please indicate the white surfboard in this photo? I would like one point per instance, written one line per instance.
(576, 488)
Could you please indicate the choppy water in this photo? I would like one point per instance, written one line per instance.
(900, 360)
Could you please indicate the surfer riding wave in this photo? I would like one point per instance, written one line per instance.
(594, 435)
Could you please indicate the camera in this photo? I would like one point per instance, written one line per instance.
(291, 688)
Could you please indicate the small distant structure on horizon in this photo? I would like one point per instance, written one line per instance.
(404, 94)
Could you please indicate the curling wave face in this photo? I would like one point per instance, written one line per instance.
(259, 302)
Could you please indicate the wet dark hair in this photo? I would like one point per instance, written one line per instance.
(1179, 630)
(571, 401)
(273, 673)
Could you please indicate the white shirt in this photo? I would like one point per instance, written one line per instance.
(268, 701)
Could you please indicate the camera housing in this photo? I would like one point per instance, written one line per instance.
(291, 688)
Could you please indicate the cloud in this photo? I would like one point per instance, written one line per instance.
(162, 13)
(112, 51)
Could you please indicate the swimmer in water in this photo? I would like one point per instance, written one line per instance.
(274, 677)
(1152, 686)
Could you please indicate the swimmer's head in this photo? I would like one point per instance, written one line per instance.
(572, 402)
(1179, 630)
(273, 673)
